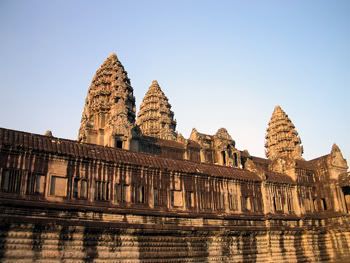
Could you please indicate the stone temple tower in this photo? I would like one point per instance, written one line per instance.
(282, 139)
(155, 117)
(108, 117)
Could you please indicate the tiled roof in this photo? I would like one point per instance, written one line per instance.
(170, 143)
(274, 176)
(164, 143)
(278, 178)
(193, 144)
(305, 164)
(261, 160)
(310, 165)
(27, 141)
(321, 158)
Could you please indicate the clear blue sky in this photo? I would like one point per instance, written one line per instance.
(221, 64)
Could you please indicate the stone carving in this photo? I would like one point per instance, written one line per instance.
(78, 202)
(282, 139)
(223, 134)
(218, 148)
(109, 107)
(155, 117)
(48, 133)
(337, 158)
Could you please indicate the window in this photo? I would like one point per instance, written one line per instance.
(290, 204)
(248, 204)
(101, 191)
(277, 204)
(223, 153)
(11, 181)
(232, 202)
(155, 197)
(307, 204)
(80, 188)
(119, 144)
(137, 194)
(120, 191)
(274, 204)
(172, 198)
(140, 197)
(189, 199)
(176, 198)
(83, 189)
(324, 203)
(256, 207)
(315, 204)
(202, 200)
(35, 184)
(58, 186)
(75, 188)
(235, 157)
(5, 181)
(118, 141)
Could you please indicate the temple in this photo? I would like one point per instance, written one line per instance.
(135, 190)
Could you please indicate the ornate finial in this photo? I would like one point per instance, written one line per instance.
(113, 55)
(282, 139)
(48, 133)
(223, 133)
(155, 117)
(278, 108)
(335, 148)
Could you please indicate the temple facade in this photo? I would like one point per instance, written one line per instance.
(135, 190)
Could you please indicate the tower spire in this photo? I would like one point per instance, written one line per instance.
(155, 117)
(282, 139)
(109, 111)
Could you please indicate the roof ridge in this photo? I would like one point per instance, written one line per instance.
(139, 158)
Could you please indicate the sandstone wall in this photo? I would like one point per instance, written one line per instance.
(44, 234)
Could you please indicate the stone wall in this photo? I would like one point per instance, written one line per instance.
(66, 201)
(33, 233)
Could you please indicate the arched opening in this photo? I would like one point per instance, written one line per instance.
(235, 159)
(223, 155)
(346, 192)
(118, 142)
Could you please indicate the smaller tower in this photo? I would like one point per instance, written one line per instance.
(282, 139)
(155, 118)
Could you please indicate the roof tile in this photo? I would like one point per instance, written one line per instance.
(89, 151)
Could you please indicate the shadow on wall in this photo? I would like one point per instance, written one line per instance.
(4, 229)
(174, 245)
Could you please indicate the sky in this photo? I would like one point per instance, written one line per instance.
(220, 63)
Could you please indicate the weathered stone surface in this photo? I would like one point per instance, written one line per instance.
(282, 139)
(218, 148)
(168, 199)
(155, 117)
(109, 112)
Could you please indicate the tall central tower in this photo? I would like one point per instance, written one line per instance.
(109, 113)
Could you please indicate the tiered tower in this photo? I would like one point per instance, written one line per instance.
(282, 139)
(155, 117)
(109, 113)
